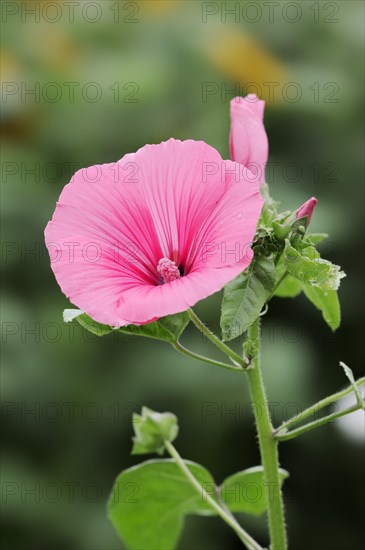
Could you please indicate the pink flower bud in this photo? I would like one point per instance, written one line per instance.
(248, 140)
(307, 209)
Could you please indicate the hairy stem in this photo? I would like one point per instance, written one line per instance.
(250, 543)
(235, 358)
(268, 445)
(179, 347)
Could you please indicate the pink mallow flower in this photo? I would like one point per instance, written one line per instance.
(248, 140)
(307, 209)
(154, 233)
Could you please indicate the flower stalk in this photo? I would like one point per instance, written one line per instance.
(234, 357)
(180, 348)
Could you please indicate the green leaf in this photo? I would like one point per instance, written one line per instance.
(149, 501)
(174, 324)
(85, 321)
(289, 288)
(92, 326)
(316, 238)
(308, 272)
(327, 302)
(167, 328)
(245, 491)
(281, 231)
(152, 429)
(245, 296)
(312, 270)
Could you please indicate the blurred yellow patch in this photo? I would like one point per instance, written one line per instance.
(243, 60)
(62, 51)
(10, 66)
(158, 6)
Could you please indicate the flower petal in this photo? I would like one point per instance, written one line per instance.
(228, 231)
(141, 303)
(180, 183)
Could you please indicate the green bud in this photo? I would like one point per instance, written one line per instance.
(300, 226)
(280, 231)
(152, 430)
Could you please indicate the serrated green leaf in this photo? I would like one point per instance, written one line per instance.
(312, 270)
(245, 491)
(149, 501)
(167, 328)
(245, 296)
(152, 430)
(327, 302)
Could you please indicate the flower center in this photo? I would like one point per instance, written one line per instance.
(168, 270)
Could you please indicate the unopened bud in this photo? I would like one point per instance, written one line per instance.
(306, 210)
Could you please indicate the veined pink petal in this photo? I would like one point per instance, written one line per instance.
(176, 205)
(227, 233)
(248, 140)
(143, 302)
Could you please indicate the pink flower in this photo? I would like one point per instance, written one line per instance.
(307, 209)
(248, 140)
(154, 233)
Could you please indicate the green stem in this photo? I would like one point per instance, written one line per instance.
(179, 347)
(313, 409)
(235, 358)
(268, 445)
(315, 424)
(227, 517)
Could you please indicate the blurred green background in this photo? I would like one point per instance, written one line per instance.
(87, 82)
